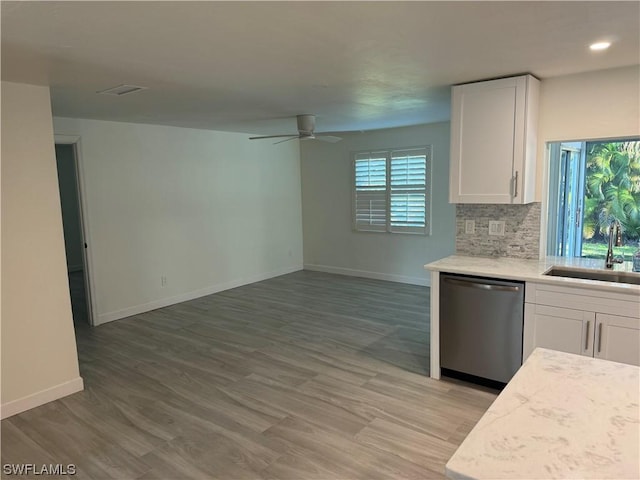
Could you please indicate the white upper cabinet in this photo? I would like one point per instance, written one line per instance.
(493, 141)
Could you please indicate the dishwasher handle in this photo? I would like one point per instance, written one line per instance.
(482, 286)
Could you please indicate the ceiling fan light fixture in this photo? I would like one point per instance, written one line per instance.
(599, 46)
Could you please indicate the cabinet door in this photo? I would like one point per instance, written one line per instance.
(558, 328)
(487, 128)
(617, 338)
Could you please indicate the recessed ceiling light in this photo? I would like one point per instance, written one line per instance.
(121, 90)
(599, 46)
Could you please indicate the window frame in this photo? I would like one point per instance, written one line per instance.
(428, 193)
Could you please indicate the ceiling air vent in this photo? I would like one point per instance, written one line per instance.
(121, 90)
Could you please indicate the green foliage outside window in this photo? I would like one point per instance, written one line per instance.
(612, 190)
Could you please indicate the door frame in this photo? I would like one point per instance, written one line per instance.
(553, 147)
(75, 142)
(573, 177)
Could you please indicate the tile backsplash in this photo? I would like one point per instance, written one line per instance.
(522, 230)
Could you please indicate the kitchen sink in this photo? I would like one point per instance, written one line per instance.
(600, 275)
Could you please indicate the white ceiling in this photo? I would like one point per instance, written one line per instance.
(252, 66)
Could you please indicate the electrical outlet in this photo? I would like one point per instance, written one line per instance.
(469, 227)
(496, 227)
(163, 281)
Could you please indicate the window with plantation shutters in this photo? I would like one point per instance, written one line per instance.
(408, 193)
(391, 191)
(371, 191)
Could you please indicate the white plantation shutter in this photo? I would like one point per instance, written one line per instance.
(391, 191)
(408, 192)
(370, 199)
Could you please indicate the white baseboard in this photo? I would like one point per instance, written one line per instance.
(40, 398)
(185, 297)
(425, 282)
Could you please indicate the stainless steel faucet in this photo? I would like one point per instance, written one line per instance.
(614, 230)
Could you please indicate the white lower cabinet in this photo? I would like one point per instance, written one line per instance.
(558, 328)
(617, 338)
(585, 330)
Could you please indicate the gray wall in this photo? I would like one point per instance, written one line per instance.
(179, 213)
(69, 202)
(330, 244)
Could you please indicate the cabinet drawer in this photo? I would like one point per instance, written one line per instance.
(559, 312)
(600, 301)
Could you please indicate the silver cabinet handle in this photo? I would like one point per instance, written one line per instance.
(515, 185)
(586, 336)
(483, 286)
(599, 337)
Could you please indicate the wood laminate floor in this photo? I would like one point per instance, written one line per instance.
(303, 376)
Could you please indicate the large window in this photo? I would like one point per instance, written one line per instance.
(391, 191)
(591, 184)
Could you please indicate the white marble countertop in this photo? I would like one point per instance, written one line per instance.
(562, 416)
(532, 270)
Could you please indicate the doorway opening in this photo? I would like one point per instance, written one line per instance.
(592, 183)
(73, 226)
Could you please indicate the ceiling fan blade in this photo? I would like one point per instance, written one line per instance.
(306, 125)
(287, 139)
(328, 138)
(274, 136)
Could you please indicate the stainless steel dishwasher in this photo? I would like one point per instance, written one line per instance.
(481, 321)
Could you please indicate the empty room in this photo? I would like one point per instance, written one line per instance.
(320, 240)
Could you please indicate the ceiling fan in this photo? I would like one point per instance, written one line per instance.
(306, 127)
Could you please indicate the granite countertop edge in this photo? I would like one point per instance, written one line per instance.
(558, 406)
(532, 270)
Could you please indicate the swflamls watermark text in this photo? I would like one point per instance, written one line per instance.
(38, 469)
